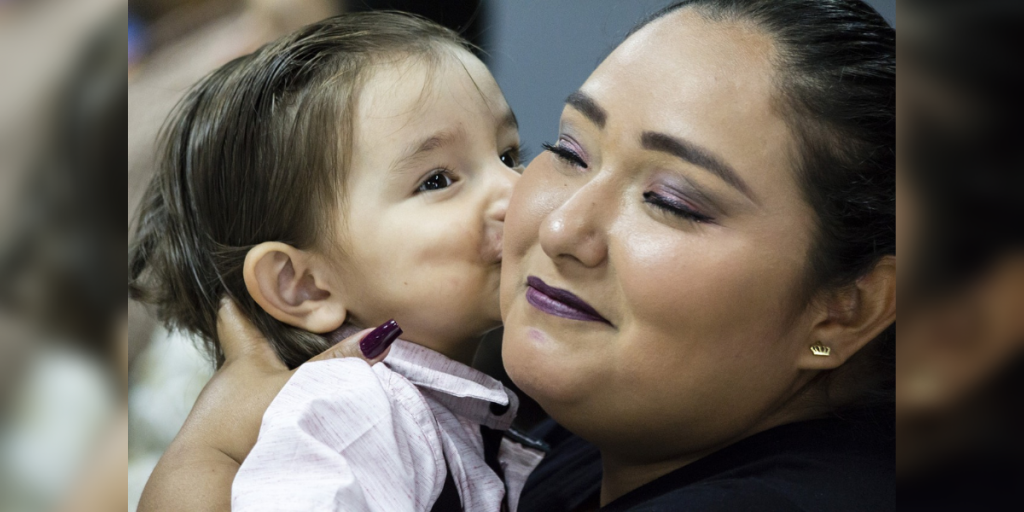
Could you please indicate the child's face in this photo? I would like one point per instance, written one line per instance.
(435, 157)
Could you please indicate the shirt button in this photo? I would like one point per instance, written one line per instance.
(498, 409)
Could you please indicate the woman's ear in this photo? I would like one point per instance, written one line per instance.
(292, 286)
(852, 318)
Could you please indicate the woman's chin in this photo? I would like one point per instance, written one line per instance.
(541, 368)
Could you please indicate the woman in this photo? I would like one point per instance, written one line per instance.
(703, 272)
(699, 275)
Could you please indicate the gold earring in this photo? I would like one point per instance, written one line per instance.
(820, 350)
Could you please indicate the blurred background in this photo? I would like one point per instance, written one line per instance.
(88, 383)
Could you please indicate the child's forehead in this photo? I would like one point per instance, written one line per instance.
(418, 85)
(410, 110)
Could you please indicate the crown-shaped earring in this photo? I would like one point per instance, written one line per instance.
(821, 350)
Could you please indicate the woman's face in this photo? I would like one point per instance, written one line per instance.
(670, 211)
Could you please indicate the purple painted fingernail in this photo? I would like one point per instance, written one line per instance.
(379, 339)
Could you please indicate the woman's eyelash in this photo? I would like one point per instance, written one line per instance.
(676, 208)
(566, 155)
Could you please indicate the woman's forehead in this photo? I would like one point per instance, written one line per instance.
(684, 55)
(709, 83)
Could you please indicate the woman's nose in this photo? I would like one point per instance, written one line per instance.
(575, 231)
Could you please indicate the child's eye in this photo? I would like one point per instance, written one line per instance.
(436, 181)
(510, 158)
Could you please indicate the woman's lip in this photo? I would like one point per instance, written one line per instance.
(559, 302)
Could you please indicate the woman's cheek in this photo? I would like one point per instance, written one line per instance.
(694, 287)
(531, 202)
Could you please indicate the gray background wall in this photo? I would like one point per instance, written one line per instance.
(542, 50)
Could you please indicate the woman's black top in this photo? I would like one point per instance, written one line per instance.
(843, 463)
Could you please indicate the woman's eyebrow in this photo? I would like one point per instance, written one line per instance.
(696, 155)
(588, 107)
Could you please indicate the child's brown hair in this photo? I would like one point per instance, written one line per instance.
(256, 152)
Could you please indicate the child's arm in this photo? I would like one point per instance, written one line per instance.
(197, 470)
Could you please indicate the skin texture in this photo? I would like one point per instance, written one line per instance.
(430, 260)
(708, 339)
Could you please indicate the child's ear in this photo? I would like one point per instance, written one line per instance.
(291, 286)
(852, 318)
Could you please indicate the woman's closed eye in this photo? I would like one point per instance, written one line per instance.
(437, 180)
(676, 207)
(566, 154)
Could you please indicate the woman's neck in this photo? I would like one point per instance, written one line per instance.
(623, 475)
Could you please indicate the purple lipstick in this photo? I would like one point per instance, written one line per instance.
(559, 302)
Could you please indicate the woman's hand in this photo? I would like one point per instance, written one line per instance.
(243, 344)
(196, 472)
(252, 372)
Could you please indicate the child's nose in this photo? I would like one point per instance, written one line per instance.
(502, 186)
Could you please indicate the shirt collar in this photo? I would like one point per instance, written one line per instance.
(466, 391)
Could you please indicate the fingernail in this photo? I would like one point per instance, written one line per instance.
(379, 339)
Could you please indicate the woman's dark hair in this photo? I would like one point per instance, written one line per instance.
(257, 152)
(836, 80)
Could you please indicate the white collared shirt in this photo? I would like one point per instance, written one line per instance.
(344, 436)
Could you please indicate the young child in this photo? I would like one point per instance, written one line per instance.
(355, 171)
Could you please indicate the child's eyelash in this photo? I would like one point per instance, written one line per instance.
(566, 155)
(514, 154)
(523, 152)
(429, 183)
